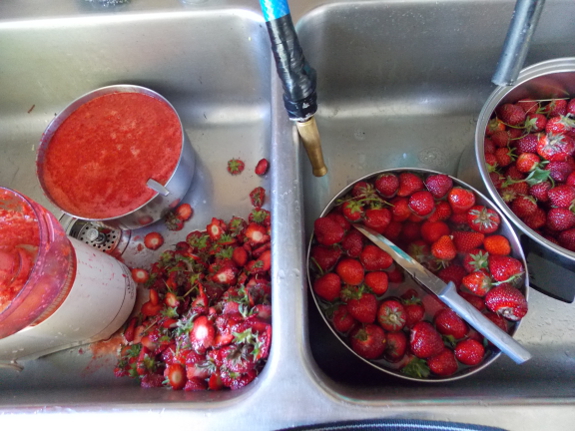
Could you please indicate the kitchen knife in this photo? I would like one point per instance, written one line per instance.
(447, 293)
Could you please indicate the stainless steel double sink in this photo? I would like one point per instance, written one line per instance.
(400, 83)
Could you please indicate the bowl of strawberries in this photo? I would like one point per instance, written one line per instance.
(380, 313)
(525, 157)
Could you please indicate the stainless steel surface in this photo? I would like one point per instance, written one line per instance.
(167, 195)
(393, 91)
(523, 24)
(447, 292)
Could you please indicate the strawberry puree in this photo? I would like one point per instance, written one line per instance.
(99, 160)
(19, 240)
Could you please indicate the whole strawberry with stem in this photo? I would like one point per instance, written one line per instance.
(421, 203)
(478, 282)
(511, 114)
(351, 271)
(447, 322)
(555, 148)
(361, 304)
(444, 249)
(368, 341)
(460, 199)
(482, 219)
(387, 184)
(438, 185)
(409, 183)
(469, 352)
(443, 364)
(328, 286)
(425, 341)
(507, 301)
(396, 346)
(505, 268)
(391, 315)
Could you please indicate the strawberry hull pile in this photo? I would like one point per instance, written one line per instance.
(529, 151)
(207, 322)
(382, 314)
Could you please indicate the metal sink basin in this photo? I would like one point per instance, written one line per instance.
(400, 84)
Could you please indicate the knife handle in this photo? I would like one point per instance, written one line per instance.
(490, 330)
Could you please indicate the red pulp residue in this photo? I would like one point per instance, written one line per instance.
(99, 160)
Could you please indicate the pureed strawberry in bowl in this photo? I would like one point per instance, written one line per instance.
(383, 316)
(119, 155)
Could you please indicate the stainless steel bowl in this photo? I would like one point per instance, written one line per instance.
(549, 79)
(505, 229)
(166, 196)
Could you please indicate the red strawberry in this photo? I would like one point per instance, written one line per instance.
(504, 268)
(387, 184)
(342, 320)
(497, 244)
(236, 166)
(444, 249)
(511, 114)
(361, 304)
(377, 219)
(216, 229)
(478, 282)
(442, 212)
(438, 185)
(325, 257)
(393, 230)
(537, 220)
(474, 300)
(227, 275)
(256, 235)
(340, 220)
(140, 275)
(491, 162)
(562, 196)
(362, 189)
(527, 144)
(560, 219)
(567, 239)
(327, 231)
(527, 162)
(202, 334)
(377, 281)
(421, 203)
(556, 107)
(483, 219)
(391, 315)
(447, 322)
(425, 341)
(524, 206)
(400, 209)
(504, 156)
(328, 286)
(555, 148)
(528, 105)
(431, 231)
(396, 275)
(369, 341)
(453, 272)
(409, 183)
(475, 260)
(176, 375)
(571, 107)
(489, 148)
(494, 125)
(535, 123)
(352, 210)
(240, 256)
(350, 271)
(262, 167)
(443, 364)
(258, 197)
(420, 251)
(184, 212)
(396, 346)
(466, 241)
(501, 138)
(540, 191)
(469, 352)
(560, 170)
(559, 124)
(352, 243)
(507, 301)
(261, 264)
(460, 199)
(153, 240)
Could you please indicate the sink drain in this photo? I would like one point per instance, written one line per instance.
(101, 237)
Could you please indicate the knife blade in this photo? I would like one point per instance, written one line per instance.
(447, 293)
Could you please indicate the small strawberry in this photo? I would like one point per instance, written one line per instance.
(409, 183)
(216, 229)
(528, 105)
(511, 114)
(362, 189)
(342, 320)
(537, 220)
(443, 364)
(567, 239)
(425, 341)
(504, 156)
(387, 185)
(327, 231)
(527, 162)
(453, 272)
(421, 203)
(140, 275)
(262, 167)
(466, 241)
(352, 243)
(527, 144)
(176, 376)
(560, 124)
(442, 212)
(153, 240)
(236, 166)
(377, 219)
(438, 185)
(258, 197)
(507, 301)
(555, 148)
(504, 268)
(475, 260)
(474, 300)
(562, 196)
(460, 199)
(556, 107)
(571, 107)
(491, 162)
(560, 219)
(540, 191)
(396, 346)
(340, 220)
(501, 138)
(184, 212)
(447, 322)
(482, 219)
(488, 146)
(361, 304)
(396, 275)
(494, 125)
(497, 244)
(391, 315)
(377, 281)
(368, 341)
(431, 231)
(535, 123)
(478, 282)
(351, 271)
(469, 352)
(400, 209)
(352, 210)
(524, 206)
(393, 231)
(444, 249)
(328, 286)
(202, 334)
(560, 170)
